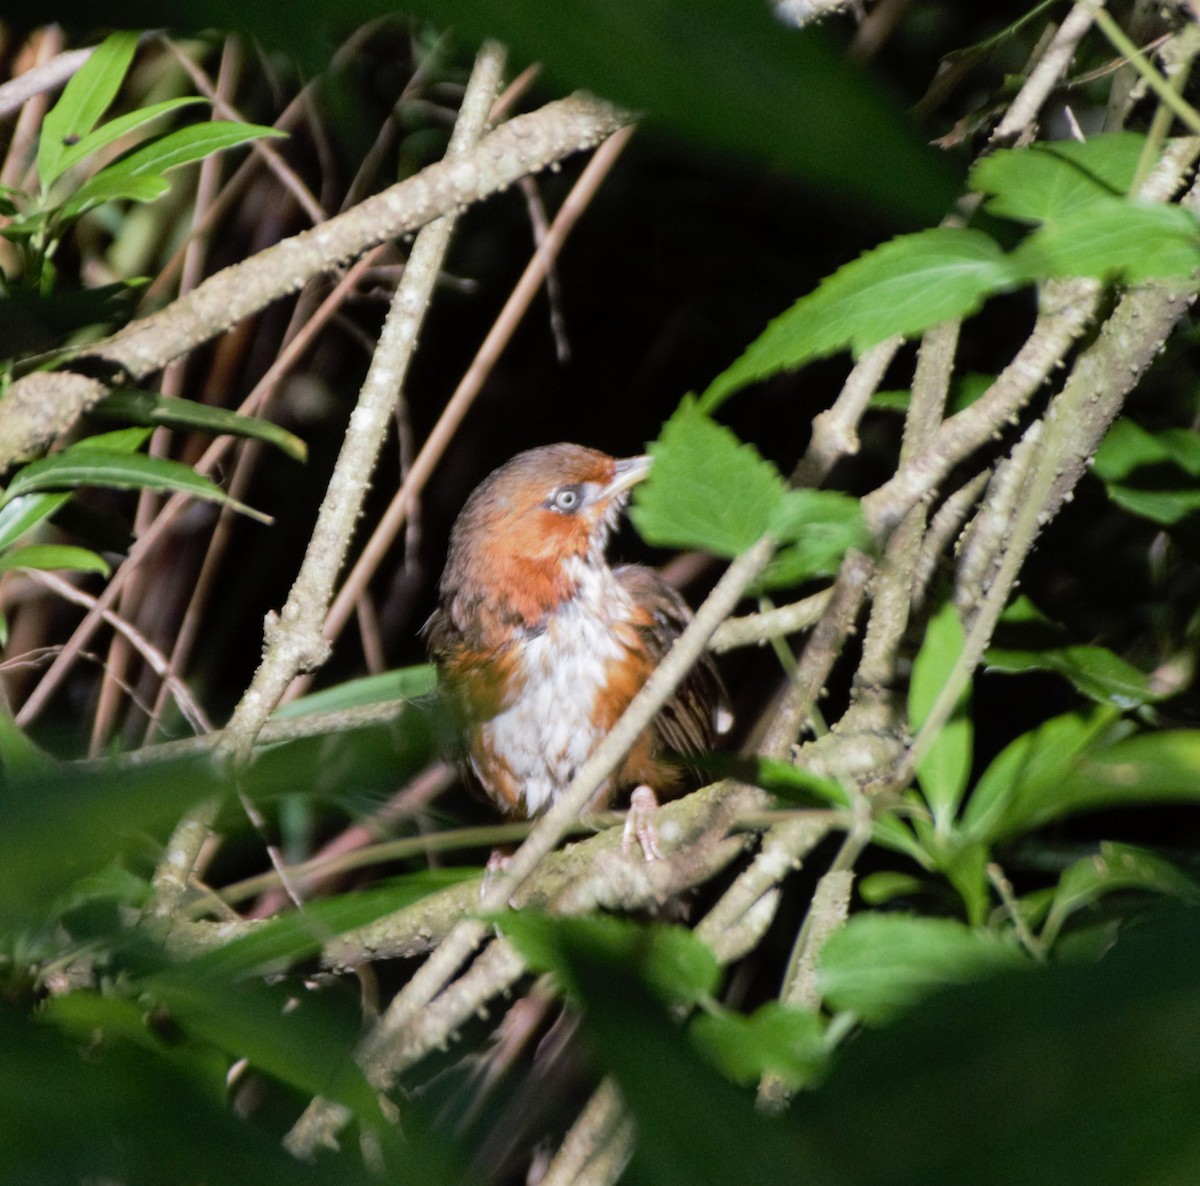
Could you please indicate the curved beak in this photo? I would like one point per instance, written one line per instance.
(628, 471)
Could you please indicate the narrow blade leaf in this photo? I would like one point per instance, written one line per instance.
(84, 100)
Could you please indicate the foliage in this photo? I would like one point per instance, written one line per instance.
(1010, 779)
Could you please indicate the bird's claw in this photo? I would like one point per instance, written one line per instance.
(639, 824)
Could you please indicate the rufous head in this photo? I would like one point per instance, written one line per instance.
(536, 513)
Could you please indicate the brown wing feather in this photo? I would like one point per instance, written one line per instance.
(688, 722)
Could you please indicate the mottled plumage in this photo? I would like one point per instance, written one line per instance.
(540, 645)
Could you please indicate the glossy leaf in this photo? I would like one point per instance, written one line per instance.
(1059, 178)
(92, 466)
(946, 766)
(877, 965)
(55, 556)
(146, 407)
(84, 100)
(902, 287)
(23, 513)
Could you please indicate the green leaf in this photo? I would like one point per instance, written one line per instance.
(84, 100)
(75, 1107)
(903, 287)
(787, 781)
(946, 766)
(110, 468)
(1114, 867)
(670, 960)
(1060, 770)
(55, 556)
(878, 965)
(140, 175)
(21, 514)
(405, 683)
(781, 1039)
(706, 488)
(1056, 179)
(146, 407)
(1095, 671)
(1113, 239)
(730, 76)
(112, 131)
(1151, 474)
(878, 889)
(816, 528)
(283, 940)
(1006, 798)
(1065, 1056)
(310, 1048)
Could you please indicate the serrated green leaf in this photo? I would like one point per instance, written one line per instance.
(1056, 179)
(946, 766)
(405, 683)
(90, 466)
(670, 960)
(146, 407)
(1114, 867)
(84, 100)
(878, 965)
(781, 1039)
(1113, 239)
(21, 514)
(112, 131)
(55, 556)
(903, 287)
(706, 488)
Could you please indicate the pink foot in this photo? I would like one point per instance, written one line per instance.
(639, 823)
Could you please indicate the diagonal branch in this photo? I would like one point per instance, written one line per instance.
(40, 407)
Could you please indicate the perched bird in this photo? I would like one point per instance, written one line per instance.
(540, 645)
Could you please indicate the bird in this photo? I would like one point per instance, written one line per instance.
(540, 645)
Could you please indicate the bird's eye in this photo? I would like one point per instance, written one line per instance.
(566, 499)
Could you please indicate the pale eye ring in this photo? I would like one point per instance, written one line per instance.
(566, 499)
